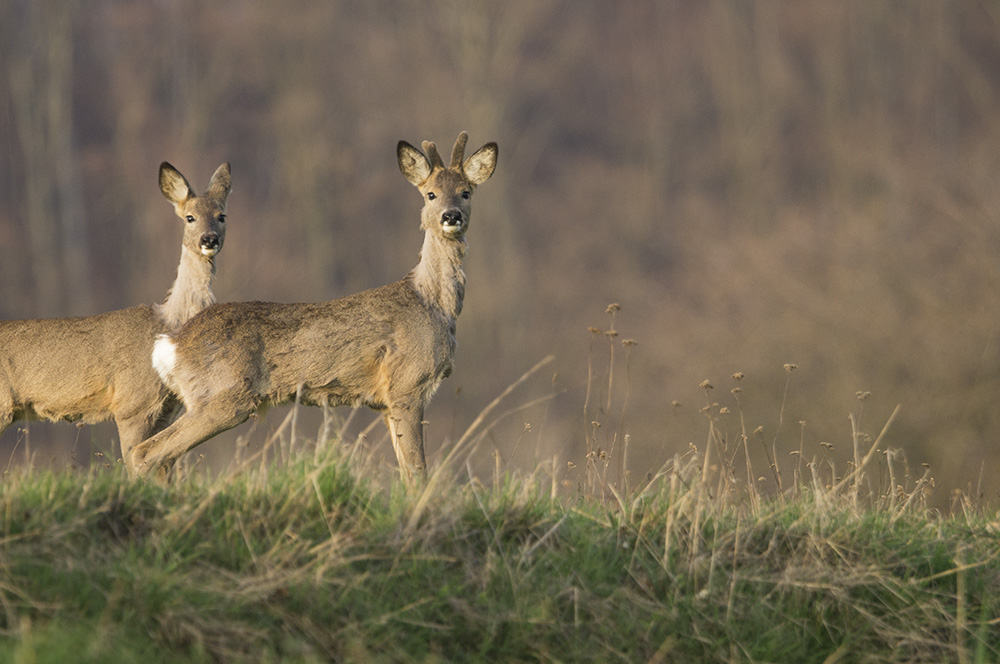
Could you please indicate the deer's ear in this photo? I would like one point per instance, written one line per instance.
(479, 167)
(174, 186)
(222, 183)
(412, 163)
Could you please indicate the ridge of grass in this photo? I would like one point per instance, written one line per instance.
(310, 562)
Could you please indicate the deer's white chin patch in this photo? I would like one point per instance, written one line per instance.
(206, 251)
(164, 357)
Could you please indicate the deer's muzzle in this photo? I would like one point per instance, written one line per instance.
(209, 244)
(452, 221)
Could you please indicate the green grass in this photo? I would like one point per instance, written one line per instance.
(327, 560)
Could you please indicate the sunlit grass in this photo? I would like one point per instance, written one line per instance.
(309, 557)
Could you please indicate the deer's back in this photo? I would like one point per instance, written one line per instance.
(339, 352)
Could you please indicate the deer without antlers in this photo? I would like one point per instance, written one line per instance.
(95, 368)
(387, 348)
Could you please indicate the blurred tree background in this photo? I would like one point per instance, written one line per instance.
(756, 183)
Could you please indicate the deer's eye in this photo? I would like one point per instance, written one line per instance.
(431, 195)
(222, 218)
(466, 194)
(190, 218)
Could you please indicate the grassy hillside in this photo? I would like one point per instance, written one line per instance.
(320, 555)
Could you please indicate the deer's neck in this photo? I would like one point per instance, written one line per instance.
(192, 289)
(439, 277)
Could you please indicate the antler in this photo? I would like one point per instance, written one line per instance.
(459, 150)
(432, 154)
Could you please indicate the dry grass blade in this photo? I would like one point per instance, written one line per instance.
(476, 423)
(856, 472)
(431, 486)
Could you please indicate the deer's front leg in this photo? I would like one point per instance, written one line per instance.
(406, 429)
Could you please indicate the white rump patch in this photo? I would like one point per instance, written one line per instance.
(164, 357)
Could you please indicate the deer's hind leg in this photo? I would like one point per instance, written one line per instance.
(195, 426)
(6, 407)
(6, 416)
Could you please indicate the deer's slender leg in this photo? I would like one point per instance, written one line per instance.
(191, 429)
(405, 423)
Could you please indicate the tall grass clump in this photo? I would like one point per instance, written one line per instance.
(308, 551)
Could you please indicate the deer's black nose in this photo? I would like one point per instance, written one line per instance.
(451, 217)
(210, 241)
